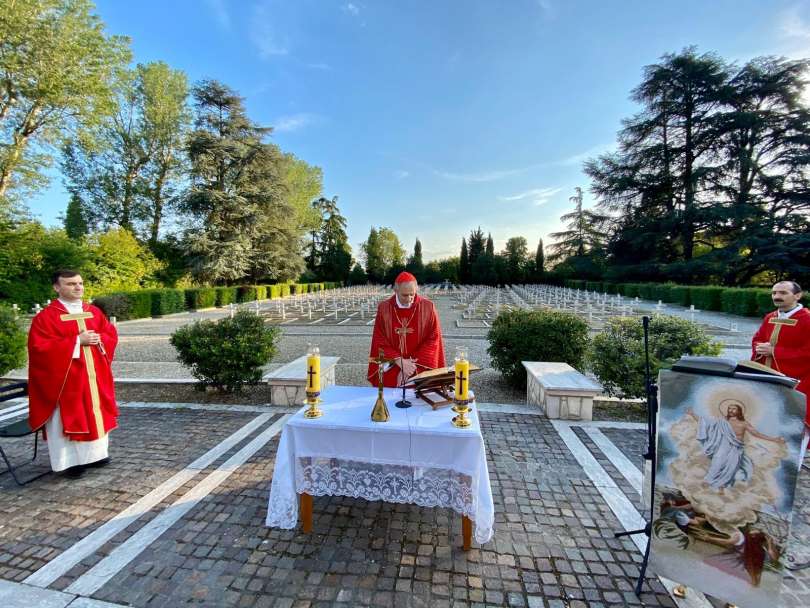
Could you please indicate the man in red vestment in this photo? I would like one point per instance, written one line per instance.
(70, 385)
(783, 340)
(407, 329)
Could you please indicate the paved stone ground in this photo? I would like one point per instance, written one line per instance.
(553, 546)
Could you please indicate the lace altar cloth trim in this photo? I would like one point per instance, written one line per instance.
(425, 487)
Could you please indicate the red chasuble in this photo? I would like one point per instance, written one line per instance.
(791, 353)
(83, 389)
(413, 333)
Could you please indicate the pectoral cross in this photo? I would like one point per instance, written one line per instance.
(90, 367)
(402, 332)
(778, 323)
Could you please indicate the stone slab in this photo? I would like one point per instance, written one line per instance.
(288, 383)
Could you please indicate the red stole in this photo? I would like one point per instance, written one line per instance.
(791, 353)
(83, 389)
(413, 333)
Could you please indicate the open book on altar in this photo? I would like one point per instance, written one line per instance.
(435, 386)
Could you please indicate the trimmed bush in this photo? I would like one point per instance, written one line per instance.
(662, 292)
(707, 298)
(739, 301)
(285, 289)
(13, 341)
(631, 290)
(229, 353)
(764, 302)
(593, 286)
(647, 291)
(116, 305)
(198, 298)
(537, 335)
(246, 293)
(679, 294)
(226, 295)
(261, 292)
(274, 291)
(167, 301)
(140, 304)
(616, 355)
(611, 288)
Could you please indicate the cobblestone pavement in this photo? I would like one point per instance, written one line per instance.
(208, 546)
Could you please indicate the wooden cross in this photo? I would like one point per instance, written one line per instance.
(90, 367)
(778, 323)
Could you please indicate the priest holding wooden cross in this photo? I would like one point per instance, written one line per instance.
(70, 384)
(783, 340)
(407, 330)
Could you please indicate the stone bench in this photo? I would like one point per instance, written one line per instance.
(288, 383)
(562, 392)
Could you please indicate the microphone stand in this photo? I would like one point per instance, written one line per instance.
(403, 403)
(652, 414)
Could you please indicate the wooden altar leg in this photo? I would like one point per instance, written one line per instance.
(306, 513)
(466, 531)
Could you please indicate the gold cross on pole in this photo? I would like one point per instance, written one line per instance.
(91, 368)
(778, 323)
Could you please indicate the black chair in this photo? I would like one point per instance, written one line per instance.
(17, 429)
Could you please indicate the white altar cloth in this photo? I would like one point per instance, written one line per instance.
(417, 457)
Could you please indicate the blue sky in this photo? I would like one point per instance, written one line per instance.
(435, 117)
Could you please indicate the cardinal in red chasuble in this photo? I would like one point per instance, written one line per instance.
(407, 330)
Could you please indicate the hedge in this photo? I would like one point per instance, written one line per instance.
(707, 298)
(740, 301)
(198, 298)
(261, 292)
(680, 294)
(246, 293)
(167, 301)
(226, 295)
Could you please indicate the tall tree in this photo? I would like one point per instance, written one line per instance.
(539, 261)
(415, 264)
(585, 231)
(166, 120)
(242, 224)
(75, 223)
(333, 252)
(476, 245)
(490, 247)
(464, 263)
(516, 257)
(127, 173)
(57, 67)
(382, 252)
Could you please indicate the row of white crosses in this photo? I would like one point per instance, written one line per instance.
(357, 302)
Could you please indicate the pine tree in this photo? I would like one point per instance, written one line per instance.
(490, 248)
(464, 263)
(243, 227)
(539, 261)
(415, 264)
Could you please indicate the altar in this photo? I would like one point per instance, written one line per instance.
(417, 457)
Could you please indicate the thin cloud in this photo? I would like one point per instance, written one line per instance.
(483, 176)
(319, 66)
(220, 12)
(401, 174)
(351, 8)
(263, 34)
(578, 159)
(295, 122)
(539, 196)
